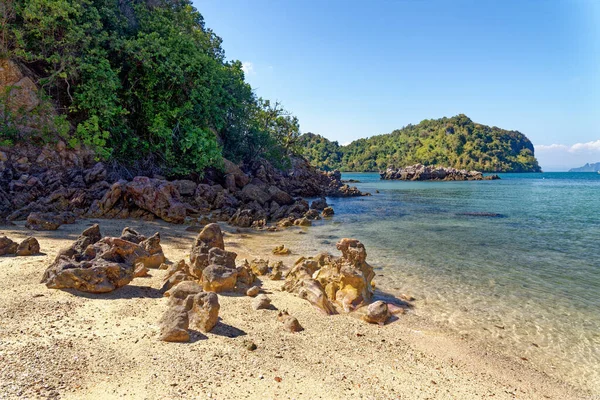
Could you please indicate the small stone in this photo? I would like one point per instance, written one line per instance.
(262, 302)
(281, 250)
(253, 291)
(140, 271)
(250, 345)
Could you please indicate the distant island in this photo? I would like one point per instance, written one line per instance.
(456, 142)
(594, 167)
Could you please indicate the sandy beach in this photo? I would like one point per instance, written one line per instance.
(63, 344)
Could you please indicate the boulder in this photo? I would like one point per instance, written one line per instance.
(279, 196)
(203, 311)
(219, 278)
(140, 271)
(253, 291)
(377, 313)
(174, 325)
(261, 302)
(345, 281)
(178, 293)
(236, 173)
(290, 323)
(281, 250)
(252, 192)
(7, 246)
(185, 187)
(312, 215)
(319, 204)
(132, 236)
(259, 266)
(210, 237)
(327, 212)
(42, 222)
(102, 266)
(155, 251)
(28, 247)
(303, 222)
(222, 257)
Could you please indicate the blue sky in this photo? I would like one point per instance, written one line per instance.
(351, 69)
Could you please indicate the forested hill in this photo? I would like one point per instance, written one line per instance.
(139, 82)
(453, 142)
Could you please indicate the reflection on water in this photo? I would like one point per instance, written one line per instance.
(529, 281)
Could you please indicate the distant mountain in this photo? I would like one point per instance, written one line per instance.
(451, 142)
(587, 168)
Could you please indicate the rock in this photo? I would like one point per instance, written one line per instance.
(233, 170)
(132, 236)
(303, 222)
(211, 236)
(419, 172)
(179, 292)
(261, 302)
(253, 291)
(174, 279)
(327, 212)
(155, 196)
(28, 247)
(174, 325)
(153, 247)
(219, 278)
(245, 276)
(284, 223)
(140, 271)
(252, 192)
(7, 246)
(259, 267)
(277, 269)
(327, 280)
(42, 222)
(279, 196)
(203, 311)
(312, 215)
(290, 323)
(319, 204)
(102, 266)
(250, 345)
(97, 173)
(377, 313)
(281, 250)
(185, 187)
(222, 257)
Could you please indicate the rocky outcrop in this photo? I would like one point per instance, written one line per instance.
(210, 237)
(334, 283)
(188, 309)
(94, 264)
(419, 172)
(27, 247)
(54, 179)
(158, 197)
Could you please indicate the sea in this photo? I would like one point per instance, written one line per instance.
(514, 262)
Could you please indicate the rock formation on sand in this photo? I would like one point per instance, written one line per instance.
(419, 172)
(98, 265)
(332, 283)
(27, 247)
(189, 308)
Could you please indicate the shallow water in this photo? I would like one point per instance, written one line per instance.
(527, 279)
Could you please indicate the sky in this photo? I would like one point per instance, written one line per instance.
(351, 69)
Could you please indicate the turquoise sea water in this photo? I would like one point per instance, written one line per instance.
(527, 279)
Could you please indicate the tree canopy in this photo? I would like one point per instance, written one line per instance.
(453, 142)
(143, 80)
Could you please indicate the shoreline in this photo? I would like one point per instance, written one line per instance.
(98, 346)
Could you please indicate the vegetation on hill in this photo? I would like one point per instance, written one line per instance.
(452, 142)
(141, 80)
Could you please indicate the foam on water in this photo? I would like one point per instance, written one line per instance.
(526, 279)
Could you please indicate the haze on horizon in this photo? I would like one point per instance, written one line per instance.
(351, 69)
